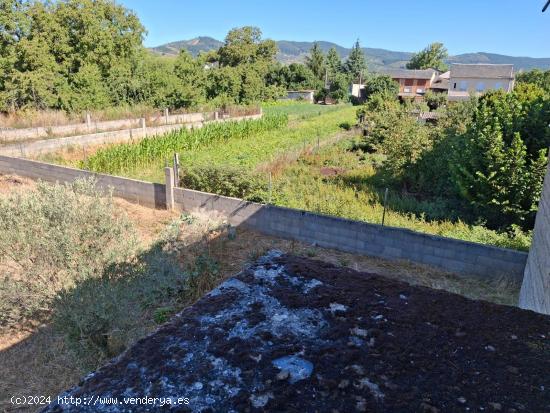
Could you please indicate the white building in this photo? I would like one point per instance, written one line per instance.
(468, 79)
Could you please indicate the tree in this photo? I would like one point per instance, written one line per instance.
(435, 100)
(535, 77)
(494, 169)
(316, 61)
(356, 65)
(430, 57)
(295, 76)
(381, 84)
(192, 78)
(46, 48)
(334, 63)
(244, 45)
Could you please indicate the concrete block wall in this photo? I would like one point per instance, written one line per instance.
(140, 192)
(26, 134)
(535, 290)
(326, 231)
(360, 237)
(117, 136)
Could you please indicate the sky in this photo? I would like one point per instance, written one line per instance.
(511, 27)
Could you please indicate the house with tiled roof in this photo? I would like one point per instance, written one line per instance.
(475, 79)
(413, 84)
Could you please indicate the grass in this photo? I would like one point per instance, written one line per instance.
(298, 109)
(246, 144)
(338, 181)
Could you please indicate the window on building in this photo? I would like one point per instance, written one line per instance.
(480, 87)
(420, 90)
(498, 85)
(407, 89)
(463, 86)
(409, 82)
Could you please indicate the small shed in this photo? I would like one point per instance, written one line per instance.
(306, 95)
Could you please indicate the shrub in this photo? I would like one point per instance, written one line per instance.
(103, 316)
(227, 180)
(53, 237)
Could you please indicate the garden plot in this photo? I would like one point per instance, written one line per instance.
(293, 334)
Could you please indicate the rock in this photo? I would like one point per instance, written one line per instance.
(461, 400)
(490, 348)
(283, 375)
(460, 333)
(496, 406)
(361, 405)
(343, 384)
(358, 369)
(260, 400)
(297, 367)
(359, 332)
(426, 407)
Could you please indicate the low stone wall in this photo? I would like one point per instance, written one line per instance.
(51, 145)
(326, 231)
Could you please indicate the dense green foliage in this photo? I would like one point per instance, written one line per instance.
(381, 84)
(486, 158)
(229, 180)
(80, 55)
(536, 77)
(295, 76)
(342, 180)
(432, 56)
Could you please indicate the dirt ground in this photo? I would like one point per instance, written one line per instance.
(290, 334)
(36, 361)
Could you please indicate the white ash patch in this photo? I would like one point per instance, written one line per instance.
(260, 400)
(334, 307)
(373, 387)
(297, 367)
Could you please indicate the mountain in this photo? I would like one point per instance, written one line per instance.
(377, 59)
(193, 46)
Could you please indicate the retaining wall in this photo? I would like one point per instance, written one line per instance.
(535, 290)
(50, 145)
(326, 231)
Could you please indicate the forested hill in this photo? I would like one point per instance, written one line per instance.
(291, 51)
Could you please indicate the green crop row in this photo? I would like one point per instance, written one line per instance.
(130, 156)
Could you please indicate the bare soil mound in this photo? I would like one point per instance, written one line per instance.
(297, 335)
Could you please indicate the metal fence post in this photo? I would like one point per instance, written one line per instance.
(385, 205)
(176, 169)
